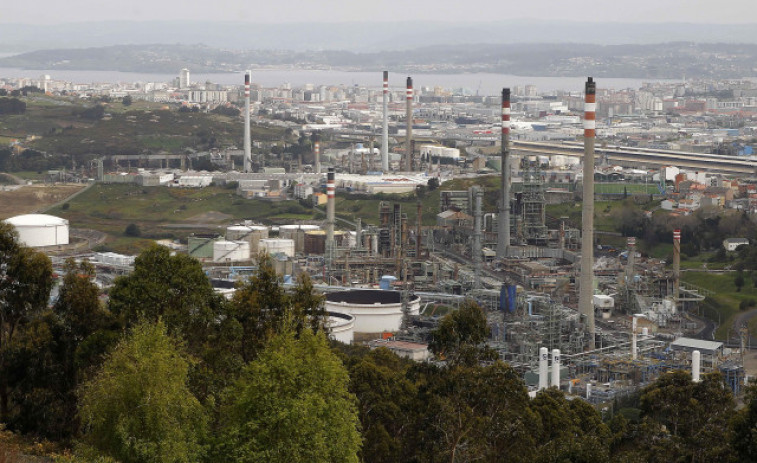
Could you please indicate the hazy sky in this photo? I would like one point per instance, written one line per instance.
(277, 11)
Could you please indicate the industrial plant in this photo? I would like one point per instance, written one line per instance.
(562, 312)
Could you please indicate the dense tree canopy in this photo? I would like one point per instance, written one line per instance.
(292, 404)
(138, 408)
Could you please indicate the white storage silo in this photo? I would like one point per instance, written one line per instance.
(37, 230)
(250, 233)
(375, 311)
(231, 251)
(341, 327)
(275, 246)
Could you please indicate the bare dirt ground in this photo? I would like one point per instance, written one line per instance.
(28, 199)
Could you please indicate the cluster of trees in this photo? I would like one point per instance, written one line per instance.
(704, 230)
(168, 371)
(12, 106)
(29, 160)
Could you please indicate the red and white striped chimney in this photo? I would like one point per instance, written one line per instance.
(385, 126)
(409, 129)
(330, 211)
(586, 281)
(503, 220)
(247, 163)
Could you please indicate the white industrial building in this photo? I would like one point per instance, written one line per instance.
(38, 230)
(375, 311)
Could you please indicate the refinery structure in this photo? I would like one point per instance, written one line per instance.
(560, 311)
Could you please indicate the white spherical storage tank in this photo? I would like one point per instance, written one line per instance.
(231, 251)
(275, 246)
(375, 311)
(341, 327)
(37, 230)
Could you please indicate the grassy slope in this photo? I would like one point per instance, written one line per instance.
(725, 300)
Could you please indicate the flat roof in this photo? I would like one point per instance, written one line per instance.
(700, 344)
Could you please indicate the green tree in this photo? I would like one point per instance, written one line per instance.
(470, 413)
(127, 100)
(386, 397)
(138, 408)
(744, 437)
(292, 404)
(173, 288)
(25, 284)
(687, 421)
(263, 308)
(460, 335)
(58, 348)
(738, 281)
(570, 430)
(132, 230)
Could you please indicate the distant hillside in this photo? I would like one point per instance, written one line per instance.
(665, 60)
(359, 36)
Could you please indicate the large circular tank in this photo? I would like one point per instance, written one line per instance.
(297, 234)
(37, 230)
(231, 251)
(250, 233)
(341, 327)
(274, 246)
(375, 311)
(315, 241)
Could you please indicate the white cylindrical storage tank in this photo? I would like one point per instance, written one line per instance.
(37, 230)
(696, 362)
(375, 311)
(250, 233)
(231, 251)
(277, 245)
(543, 368)
(556, 368)
(341, 327)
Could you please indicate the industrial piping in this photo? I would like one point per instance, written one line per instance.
(409, 129)
(586, 290)
(385, 127)
(503, 220)
(247, 143)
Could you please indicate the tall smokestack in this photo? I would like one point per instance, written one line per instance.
(676, 264)
(385, 127)
(631, 261)
(503, 218)
(477, 195)
(586, 290)
(247, 147)
(330, 187)
(409, 130)
(317, 152)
